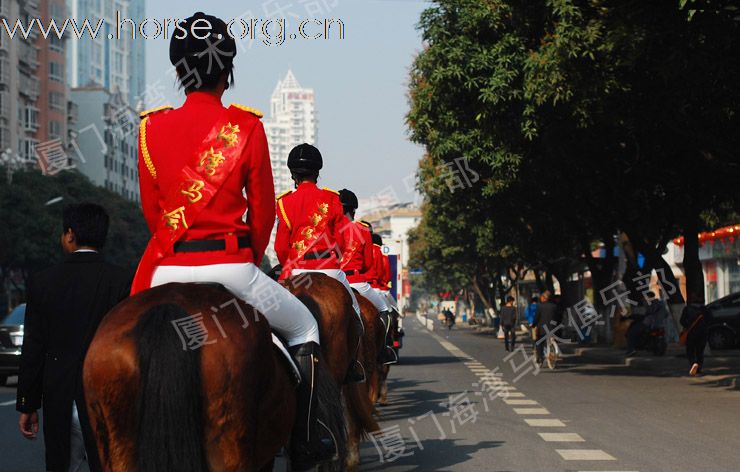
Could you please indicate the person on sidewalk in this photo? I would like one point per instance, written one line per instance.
(508, 323)
(545, 320)
(66, 303)
(695, 318)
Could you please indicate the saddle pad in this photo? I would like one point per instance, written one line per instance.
(281, 347)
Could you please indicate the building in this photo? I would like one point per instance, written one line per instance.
(393, 224)
(106, 140)
(719, 253)
(117, 64)
(292, 121)
(20, 84)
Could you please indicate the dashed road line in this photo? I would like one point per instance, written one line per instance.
(8, 403)
(545, 423)
(493, 380)
(562, 437)
(531, 411)
(519, 402)
(585, 455)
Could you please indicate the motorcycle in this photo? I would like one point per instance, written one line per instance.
(649, 339)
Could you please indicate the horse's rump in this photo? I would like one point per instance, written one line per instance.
(207, 399)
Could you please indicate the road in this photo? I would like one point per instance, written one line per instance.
(580, 417)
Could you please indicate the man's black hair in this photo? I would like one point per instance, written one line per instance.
(509, 299)
(88, 221)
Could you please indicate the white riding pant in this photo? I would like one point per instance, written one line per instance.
(368, 292)
(338, 275)
(389, 300)
(285, 313)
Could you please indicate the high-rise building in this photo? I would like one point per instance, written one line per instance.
(106, 140)
(116, 64)
(292, 121)
(19, 84)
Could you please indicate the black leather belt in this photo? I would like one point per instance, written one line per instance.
(349, 272)
(318, 255)
(207, 245)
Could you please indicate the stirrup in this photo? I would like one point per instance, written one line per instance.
(389, 356)
(355, 375)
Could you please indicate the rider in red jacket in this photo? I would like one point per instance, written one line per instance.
(358, 263)
(308, 235)
(197, 163)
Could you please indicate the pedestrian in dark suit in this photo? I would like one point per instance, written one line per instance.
(66, 303)
(695, 319)
(545, 320)
(508, 323)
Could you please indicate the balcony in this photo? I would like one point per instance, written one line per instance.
(29, 87)
(28, 54)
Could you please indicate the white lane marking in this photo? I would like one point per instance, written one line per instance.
(531, 411)
(11, 402)
(512, 394)
(520, 402)
(545, 423)
(584, 455)
(562, 437)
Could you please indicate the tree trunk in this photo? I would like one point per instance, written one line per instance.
(670, 284)
(691, 263)
(483, 297)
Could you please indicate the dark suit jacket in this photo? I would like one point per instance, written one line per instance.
(545, 314)
(508, 315)
(65, 305)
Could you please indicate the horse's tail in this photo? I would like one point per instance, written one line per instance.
(360, 409)
(169, 405)
(329, 404)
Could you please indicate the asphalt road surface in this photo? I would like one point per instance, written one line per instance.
(458, 403)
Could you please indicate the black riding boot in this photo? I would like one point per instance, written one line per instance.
(356, 371)
(387, 354)
(311, 443)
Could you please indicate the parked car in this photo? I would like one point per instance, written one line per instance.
(11, 340)
(724, 328)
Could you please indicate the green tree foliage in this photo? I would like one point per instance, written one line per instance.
(31, 230)
(584, 119)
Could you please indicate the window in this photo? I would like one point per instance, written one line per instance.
(56, 101)
(55, 129)
(56, 71)
(30, 118)
(55, 44)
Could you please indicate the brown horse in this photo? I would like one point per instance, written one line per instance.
(361, 398)
(185, 377)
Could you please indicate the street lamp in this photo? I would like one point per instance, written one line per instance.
(12, 162)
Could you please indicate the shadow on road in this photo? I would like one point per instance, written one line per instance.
(436, 455)
(428, 360)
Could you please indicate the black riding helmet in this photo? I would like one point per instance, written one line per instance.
(377, 239)
(203, 55)
(348, 199)
(305, 158)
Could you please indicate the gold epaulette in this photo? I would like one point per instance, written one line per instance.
(146, 113)
(283, 194)
(364, 224)
(331, 190)
(378, 245)
(251, 110)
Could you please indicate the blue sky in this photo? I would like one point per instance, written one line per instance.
(360, 82)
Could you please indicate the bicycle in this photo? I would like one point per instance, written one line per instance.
(551, 352)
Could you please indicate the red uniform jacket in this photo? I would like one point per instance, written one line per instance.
(309, 222)
(169, 133)
(381, 269)
(357, 258)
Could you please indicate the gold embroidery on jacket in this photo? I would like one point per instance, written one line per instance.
(175, 217)
(193, 191)
(211, 160)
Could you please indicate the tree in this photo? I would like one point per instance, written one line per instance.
(30, 234)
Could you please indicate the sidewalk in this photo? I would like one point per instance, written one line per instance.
(721, 368)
